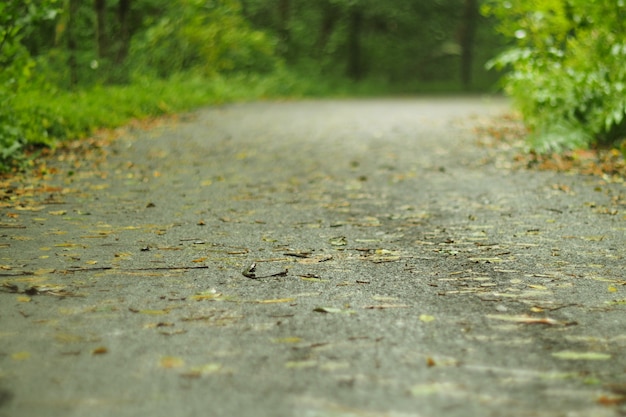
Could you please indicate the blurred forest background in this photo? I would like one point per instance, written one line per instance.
(71, 66)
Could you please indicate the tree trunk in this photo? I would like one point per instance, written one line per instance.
(467, 32)
(72, 43)
(355, 70)
(123, 13)
(99, 7)
(284, 11)
(329, 20)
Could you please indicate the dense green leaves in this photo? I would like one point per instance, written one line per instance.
(209, 37)
(568, 75)
(17, 18)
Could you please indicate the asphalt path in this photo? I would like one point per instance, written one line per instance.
(313, 258)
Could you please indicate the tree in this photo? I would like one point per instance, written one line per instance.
(355, 25)
(467, 35)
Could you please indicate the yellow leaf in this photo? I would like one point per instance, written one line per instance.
(58, 213)
(593, 238)
(206, 183)
(20, 356)
(293, 339)
(199, 297)
(207, 369)
(23, 299)
(30, 208)
(199, 260)
(68, 338)
(612, 289)
(586, 356)
(275, 301)
(171, 362)
(426, 318)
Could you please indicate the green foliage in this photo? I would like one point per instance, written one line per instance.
(567, 75)
(210, 37)
(17, 17)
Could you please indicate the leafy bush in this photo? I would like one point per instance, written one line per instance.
(209, 37)
(16, 18)
(567, 76)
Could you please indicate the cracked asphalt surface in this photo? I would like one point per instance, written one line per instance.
(313, 258)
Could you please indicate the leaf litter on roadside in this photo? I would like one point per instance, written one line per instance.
(507, 133)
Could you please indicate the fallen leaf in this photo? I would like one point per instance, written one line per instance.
(202, 370)
(526, 319)
(44, 271)
(249, 272)
(426, 318)
(20, 356)
(487, 260)
(287, 340)
(170, 362)
(332, 310)
(611, 400)
(338, 241)
(584, 356)
(99, 350)
(207, 295)
(276, 301)
(593, 238)
(434, 388)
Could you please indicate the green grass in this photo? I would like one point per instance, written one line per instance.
(68, 115)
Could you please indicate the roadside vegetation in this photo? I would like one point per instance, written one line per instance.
(566, 70)
(71, 67)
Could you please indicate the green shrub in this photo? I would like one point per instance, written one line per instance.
(208, 37)
(567, 73)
